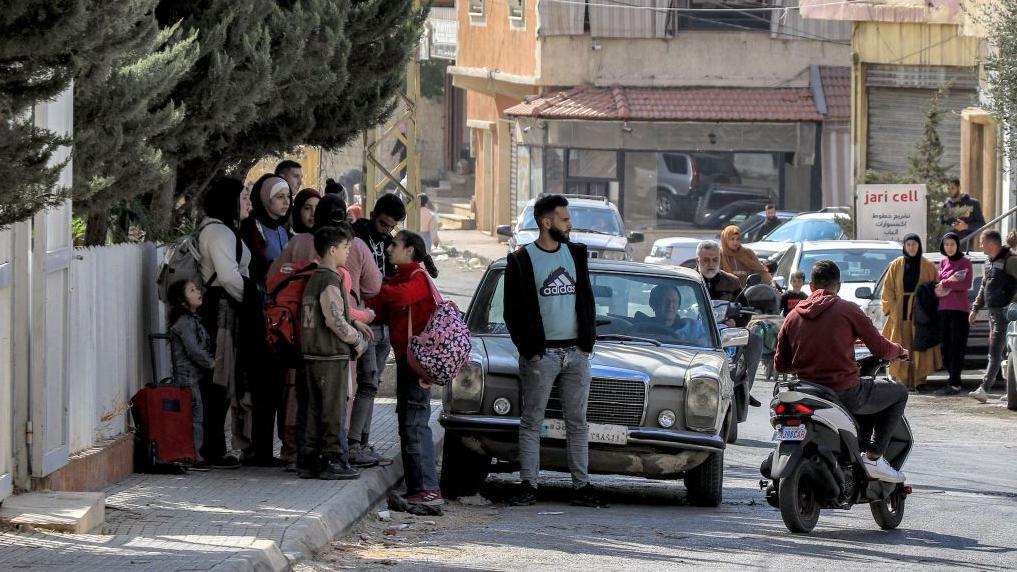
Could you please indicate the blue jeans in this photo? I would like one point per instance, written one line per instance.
(369, 369)
(997, 340)
(413, 409)
(571, 368)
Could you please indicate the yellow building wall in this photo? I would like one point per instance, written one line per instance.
(915, 44)
(309, 159)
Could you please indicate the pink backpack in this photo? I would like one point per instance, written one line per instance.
(441, 350)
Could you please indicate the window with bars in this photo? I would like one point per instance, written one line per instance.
(516, 9)
(724, 15)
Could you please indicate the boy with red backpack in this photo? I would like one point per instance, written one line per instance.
(329, 340)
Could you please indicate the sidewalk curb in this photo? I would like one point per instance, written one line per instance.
(312, 532)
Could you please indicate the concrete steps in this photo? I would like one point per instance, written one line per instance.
(78, 513)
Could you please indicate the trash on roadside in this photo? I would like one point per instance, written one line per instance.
(475, 500)
(384, 515)
(394, 529)
(550, 513)
(428, 523)
(365, 537)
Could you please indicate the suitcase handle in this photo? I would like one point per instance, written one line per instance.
(152, 338)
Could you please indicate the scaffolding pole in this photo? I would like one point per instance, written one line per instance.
(377, 140)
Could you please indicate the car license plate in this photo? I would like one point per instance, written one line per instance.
(599, 433)
(789, 434)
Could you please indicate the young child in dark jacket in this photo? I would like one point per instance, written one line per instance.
(192, 351)
(329, 340)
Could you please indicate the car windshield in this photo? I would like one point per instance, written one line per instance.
(855, 265)
(663, 309)
(798, 230)
(584, 219)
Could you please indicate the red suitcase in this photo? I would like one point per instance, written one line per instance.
(162, 419)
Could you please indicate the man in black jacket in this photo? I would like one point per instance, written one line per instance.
(550, 314)
(960, 211)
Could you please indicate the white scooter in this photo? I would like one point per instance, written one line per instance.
(817, 461)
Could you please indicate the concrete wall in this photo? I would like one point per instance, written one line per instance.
(743, 59)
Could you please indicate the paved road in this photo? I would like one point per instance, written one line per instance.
(961, 516)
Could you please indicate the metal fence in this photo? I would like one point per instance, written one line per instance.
(112, 310)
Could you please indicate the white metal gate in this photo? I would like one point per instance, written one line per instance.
(52, 248)
(6, 362)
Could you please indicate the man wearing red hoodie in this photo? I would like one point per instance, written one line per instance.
(817, 343)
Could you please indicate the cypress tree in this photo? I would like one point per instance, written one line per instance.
(37, 39)
(121, 105)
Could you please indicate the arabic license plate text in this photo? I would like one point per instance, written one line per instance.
(789, 434)
(599, 433)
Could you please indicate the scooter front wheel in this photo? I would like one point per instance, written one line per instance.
(799, 500)
(889, 512)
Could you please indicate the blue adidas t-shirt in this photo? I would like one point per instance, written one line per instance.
(554, 273)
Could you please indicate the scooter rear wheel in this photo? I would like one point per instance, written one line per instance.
(889, 512)
(799, 500)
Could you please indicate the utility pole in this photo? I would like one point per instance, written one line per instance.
(378, 141)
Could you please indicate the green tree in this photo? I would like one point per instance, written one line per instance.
(1000, 20)
(37, 38)
(120, 106)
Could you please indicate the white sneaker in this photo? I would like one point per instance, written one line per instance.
(979, 395)
(880, 469)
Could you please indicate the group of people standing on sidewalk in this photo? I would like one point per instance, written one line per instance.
(369, 293)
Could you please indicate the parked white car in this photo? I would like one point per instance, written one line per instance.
(861, 263)
(804, 227)
(675, 251)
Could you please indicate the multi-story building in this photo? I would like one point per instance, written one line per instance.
(650, 102)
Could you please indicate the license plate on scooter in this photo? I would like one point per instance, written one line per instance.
(789, 434)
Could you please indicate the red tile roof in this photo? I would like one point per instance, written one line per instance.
(836, 83)
(695, 103)
(679, 104)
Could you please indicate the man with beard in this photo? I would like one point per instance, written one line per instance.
(550, 314)
(726, 286)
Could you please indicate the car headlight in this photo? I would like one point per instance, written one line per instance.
(666, 419)
(467, 390)
(502, 406)
(613, 255)
(702, 403)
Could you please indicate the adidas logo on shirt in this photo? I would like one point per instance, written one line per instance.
(559, 283)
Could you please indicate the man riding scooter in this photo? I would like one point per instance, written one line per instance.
(725, 286)
(817, 342)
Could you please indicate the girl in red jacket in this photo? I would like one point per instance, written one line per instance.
(406, 302)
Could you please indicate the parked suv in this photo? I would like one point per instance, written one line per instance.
(684, 177)
(720, 195)
(595, 223)
(660, 398)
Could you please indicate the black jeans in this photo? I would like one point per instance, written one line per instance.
(997, 342)
(214, 400)
(884, 400)
(268, 398)
(953, 327)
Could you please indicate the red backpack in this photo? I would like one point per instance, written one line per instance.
(282, 311)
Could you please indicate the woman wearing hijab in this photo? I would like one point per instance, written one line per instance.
(740, 260)
(267, 231)
(955, 276)
(224, 268)
(303, 211)
(903, 278)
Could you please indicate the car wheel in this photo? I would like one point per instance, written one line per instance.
(1011, 384)
(463, 471)
(667, 204)
(705, 483)
(732, 425)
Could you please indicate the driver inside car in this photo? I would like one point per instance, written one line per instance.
(817, 342)
(666, 301)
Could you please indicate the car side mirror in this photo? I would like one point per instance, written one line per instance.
(504, 230)
(863, 293)
(734, 338)
(636, 237)
(779, 281)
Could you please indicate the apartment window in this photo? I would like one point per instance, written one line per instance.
(516, 9)
(725, 15)
(476, 7)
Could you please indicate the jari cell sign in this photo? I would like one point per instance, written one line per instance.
(890, 212)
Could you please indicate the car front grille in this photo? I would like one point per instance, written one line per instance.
(613, 401)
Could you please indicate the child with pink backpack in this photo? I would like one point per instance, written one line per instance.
(410, 304)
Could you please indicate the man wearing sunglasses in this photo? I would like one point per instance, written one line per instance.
(377, 232)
